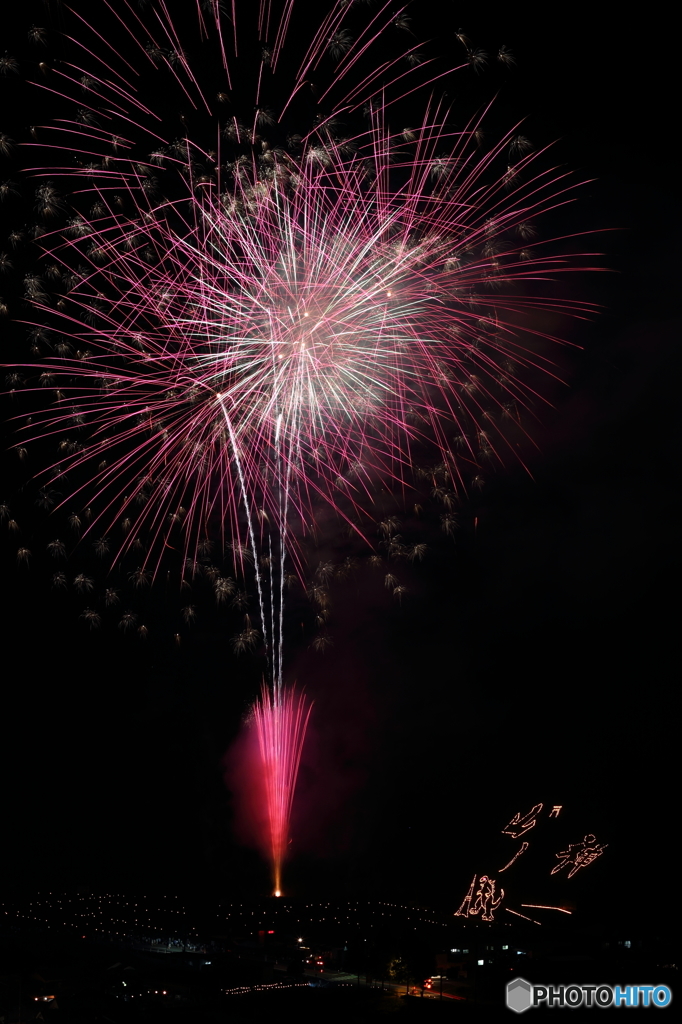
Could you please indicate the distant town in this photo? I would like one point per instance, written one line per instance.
(86, 957)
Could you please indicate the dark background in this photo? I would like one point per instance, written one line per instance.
(535, 658)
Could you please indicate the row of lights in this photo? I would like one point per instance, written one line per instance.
(240, 911)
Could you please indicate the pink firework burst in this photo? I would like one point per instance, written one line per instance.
(285, 303)
(288, 318)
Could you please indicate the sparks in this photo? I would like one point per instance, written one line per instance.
(277, 312)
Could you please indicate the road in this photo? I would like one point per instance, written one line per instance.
(343, 978)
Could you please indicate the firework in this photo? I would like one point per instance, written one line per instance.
(284, 305)
(284, 326)
(281, 724)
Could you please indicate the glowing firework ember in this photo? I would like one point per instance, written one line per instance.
(281, 724)
(309, 302)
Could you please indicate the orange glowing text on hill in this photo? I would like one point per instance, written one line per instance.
(579, 855)
(520, 824)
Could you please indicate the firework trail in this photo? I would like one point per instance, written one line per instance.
(281, 725)
(289, 302)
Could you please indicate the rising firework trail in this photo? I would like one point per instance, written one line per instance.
(274, 299)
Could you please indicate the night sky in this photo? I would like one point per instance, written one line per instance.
(535, 657)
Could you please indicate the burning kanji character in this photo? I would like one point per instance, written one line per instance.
(579, 855)
(485, 899)
(519, 824)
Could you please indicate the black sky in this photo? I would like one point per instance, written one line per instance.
(536, 658)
